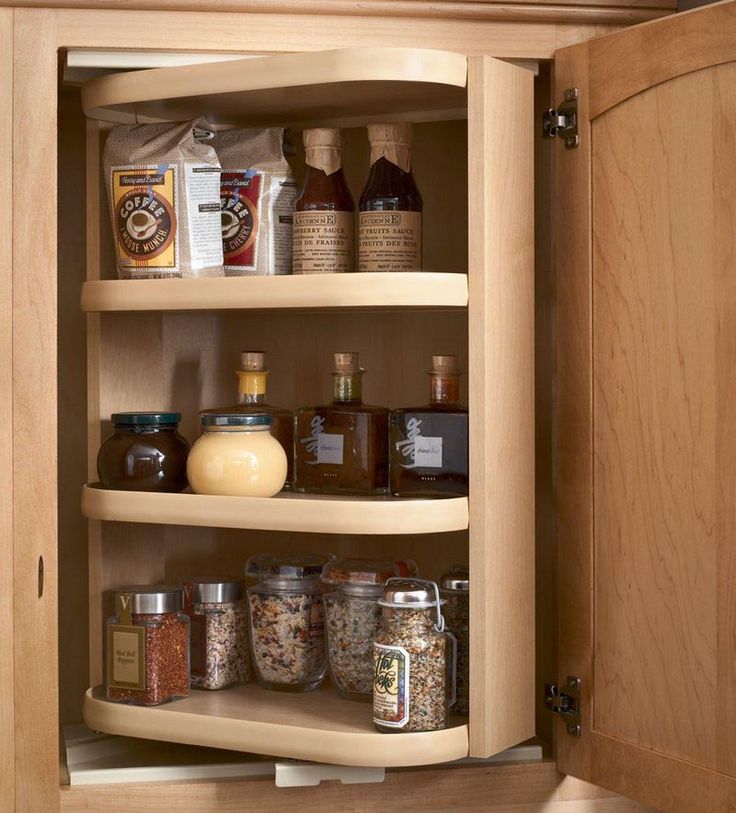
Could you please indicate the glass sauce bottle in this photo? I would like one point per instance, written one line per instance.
(252, 377)
(390, 219)
(342, 447)
(429, 444)
(324, 220)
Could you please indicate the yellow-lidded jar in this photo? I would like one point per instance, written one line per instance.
(237, 456)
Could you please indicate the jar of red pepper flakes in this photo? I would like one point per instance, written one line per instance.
(147, 646)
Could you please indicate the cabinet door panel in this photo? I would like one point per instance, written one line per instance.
(646, 422)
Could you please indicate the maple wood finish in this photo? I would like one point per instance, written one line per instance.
(646, 424)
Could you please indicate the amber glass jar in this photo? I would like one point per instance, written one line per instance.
(146, 453)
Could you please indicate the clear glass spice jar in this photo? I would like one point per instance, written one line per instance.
(412, 657)
(352, 615)
(147, 646)
(287, 625)
(237, 456)
(219, 632)
(455, 590)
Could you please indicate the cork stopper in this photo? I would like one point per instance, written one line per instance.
(253, 360)
(322, 146)
(346, 363)
(445, 364)
(391, 141)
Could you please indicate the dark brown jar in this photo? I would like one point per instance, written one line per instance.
(146, 453)
(324, 220)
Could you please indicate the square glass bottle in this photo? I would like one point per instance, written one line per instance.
(342, 447)
(429, 444)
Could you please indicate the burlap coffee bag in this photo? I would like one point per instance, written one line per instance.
(258, 193)
(163, 183)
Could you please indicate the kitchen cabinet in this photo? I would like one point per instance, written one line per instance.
(641, 212)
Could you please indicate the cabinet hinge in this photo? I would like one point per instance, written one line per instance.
(566, 703)
(563, 120)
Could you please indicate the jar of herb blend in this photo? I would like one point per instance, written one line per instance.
(352, 615)
(219, 632)
(455, 590)
(287, 624)
(147, 646)
(411, 655)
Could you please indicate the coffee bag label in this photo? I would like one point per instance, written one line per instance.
(240, 202)
(203, 210)
(144, 220)
(324, 242)
(390, 241)
(391, 668)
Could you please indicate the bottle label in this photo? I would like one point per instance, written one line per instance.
(390, 685)
(317, 619)
(144, 221)
(203, 209)
(329, 448)
(417, 450)
(126, 650)
(324, 242)
(390, 241)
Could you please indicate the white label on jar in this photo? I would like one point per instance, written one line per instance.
(390, 686)
(428, 452)
(329, 448)
(203, 210)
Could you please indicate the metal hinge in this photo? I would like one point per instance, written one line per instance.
(563, 120)
(566, 703)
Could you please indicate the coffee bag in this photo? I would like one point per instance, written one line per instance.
(258, 193)
(163, 183)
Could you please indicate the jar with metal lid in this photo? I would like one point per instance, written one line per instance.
(145, 453)
(237, 455)
(287, 624)
(411, 655)
(219, 632)
(352, 615)
(147, 646)
(455, 590)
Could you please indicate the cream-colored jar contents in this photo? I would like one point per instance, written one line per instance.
(237, 461)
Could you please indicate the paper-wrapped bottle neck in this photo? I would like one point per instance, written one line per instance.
(326, 158)
(391, 141)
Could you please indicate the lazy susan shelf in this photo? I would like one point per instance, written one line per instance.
(426, 289)
(348, 85)
(286, 512)
(316, 726)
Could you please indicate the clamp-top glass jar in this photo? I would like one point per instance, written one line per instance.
(287, 624)
(411, 652)
(352, 615)
(219, 632)
(146, 453)
(237, 456)
(455, 590)
(148, 646)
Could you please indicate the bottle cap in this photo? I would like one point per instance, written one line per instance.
(322, 146)
(252, 360)
(457, 579)
(212, 590)
(285, 567)
(145, 418)
(392, 141)
(347, 363)
(150, 599)
(445, 364)
(235, 419)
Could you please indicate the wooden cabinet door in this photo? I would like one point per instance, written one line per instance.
(646, 410)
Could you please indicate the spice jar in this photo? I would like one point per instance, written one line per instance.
(287, 626)
(148, 646)
(454, 589)
(411, 652)
(146, 453)
(219, 632)
(237, 456)
(352, 615)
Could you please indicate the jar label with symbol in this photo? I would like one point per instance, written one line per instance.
(390, 241)
(126, 657)
(390, 686)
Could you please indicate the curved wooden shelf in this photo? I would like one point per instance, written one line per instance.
(286, 512)
(317, 86)
(425, 289)
(316, 726)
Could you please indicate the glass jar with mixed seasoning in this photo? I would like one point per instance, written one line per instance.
(352, 615)
(287, 625)
(219, 632)
(412, 655)
(145, 453)
(455, 590)
(147, 646)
